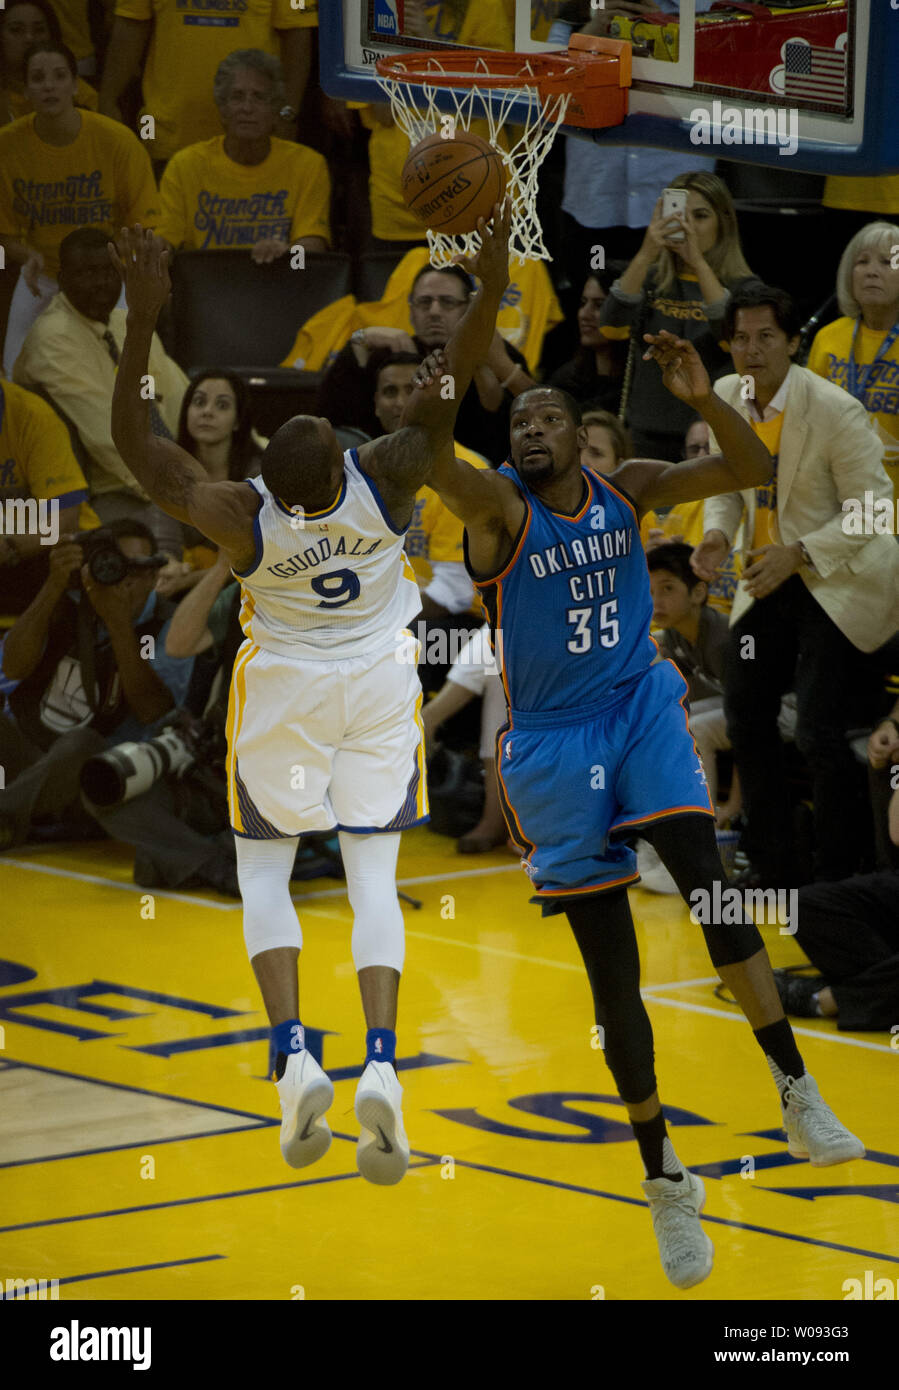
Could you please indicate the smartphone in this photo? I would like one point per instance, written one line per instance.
(674, 203)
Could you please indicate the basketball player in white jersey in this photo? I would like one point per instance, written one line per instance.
(324, 725)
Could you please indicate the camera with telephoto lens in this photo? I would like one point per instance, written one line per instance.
(129, 769)
(107, 563)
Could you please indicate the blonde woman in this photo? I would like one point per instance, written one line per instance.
(860, 351)
(679, 280)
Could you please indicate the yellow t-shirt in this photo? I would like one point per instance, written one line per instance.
(829, 357)
(36, 458)
(209, 201)
(14, 105)
(686, 519)
(188, 41)
(766, 527)
(103, 179)
(879, 193)
(75, 25)
(435, 534)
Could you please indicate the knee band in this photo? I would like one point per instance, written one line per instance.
(263, 872)
(379, 936)
(731, 944)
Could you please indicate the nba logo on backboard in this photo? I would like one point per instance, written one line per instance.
(388, 17)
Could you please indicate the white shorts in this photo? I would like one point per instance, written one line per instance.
(314, 745)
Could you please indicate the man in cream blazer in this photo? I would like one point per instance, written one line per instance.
(815, 600)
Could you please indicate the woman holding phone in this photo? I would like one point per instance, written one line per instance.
(680, 280)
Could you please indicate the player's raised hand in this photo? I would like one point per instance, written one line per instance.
(490, 263)
(429, 369)
(142, 260)
(682, 368)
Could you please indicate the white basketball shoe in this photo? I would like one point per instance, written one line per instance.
(382, 1154)
(685, 1249)
(305, 1092)
(813, 1130)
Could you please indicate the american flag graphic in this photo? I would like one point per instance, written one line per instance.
(814, 74)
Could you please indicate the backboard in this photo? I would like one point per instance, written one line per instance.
(762, 83)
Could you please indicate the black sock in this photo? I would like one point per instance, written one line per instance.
(653, 1140)
(781, 1053)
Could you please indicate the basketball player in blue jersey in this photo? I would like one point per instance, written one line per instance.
(597, 747)
(324, 725)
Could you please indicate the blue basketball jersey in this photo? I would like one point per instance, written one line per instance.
(571, 610)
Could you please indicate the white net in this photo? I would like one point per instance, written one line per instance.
(415, 110)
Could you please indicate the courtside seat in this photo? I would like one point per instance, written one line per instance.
(372, 272)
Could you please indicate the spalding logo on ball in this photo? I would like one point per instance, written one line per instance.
(449, 184)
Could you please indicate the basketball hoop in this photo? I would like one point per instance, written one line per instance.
(588, 85)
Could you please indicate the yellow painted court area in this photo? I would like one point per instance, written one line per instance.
(140, 1159)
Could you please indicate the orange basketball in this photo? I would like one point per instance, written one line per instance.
(449, 184)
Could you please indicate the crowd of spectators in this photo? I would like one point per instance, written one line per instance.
(781, 617)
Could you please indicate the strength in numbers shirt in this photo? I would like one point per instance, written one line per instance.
(572, 606)
(102, 179)
(210, 202)
(829, 357)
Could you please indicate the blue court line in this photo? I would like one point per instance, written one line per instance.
(133, 1269)
(195, 1201)
(143, 1144)
(143, 1091)
(429, 1160)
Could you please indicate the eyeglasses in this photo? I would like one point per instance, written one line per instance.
(446, 301)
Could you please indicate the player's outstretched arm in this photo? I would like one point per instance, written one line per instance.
(744, 462)
(469, 344)
(176, 482)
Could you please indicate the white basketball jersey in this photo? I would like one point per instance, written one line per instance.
(328, 584)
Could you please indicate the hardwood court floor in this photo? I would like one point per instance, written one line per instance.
(139, 1143)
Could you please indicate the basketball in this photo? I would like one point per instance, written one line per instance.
(449, 184)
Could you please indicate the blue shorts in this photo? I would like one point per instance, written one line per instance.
(573, 783)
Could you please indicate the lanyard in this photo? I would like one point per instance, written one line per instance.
(857, 377)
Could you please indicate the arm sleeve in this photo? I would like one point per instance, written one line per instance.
(138, 194)
(722, 513)
(174, 671)
(173, 214)
(451, 586)
(85, 403)
(50, 466)
(618, 313)
(312, 209)
(854, 456)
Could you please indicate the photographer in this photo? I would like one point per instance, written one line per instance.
(88, 658)
(170, 804)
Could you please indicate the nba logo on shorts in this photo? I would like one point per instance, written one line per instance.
(388, 16)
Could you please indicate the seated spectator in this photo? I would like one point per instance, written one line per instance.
(89, 663)
(596, 370)
(437, 301)
(608, 442)
(850, 930)
(434, 539)
(24, 23)
(684, 522)
(182, 57)
(215, 425)
(71, 353)
(679, 280)
(61, 167)
(473, 674)
(179, 826)
(815, 600)
(36, 461)
(245, 188)
(860, 351)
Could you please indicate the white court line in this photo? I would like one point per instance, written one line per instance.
(804, 1032)
(112, 883)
